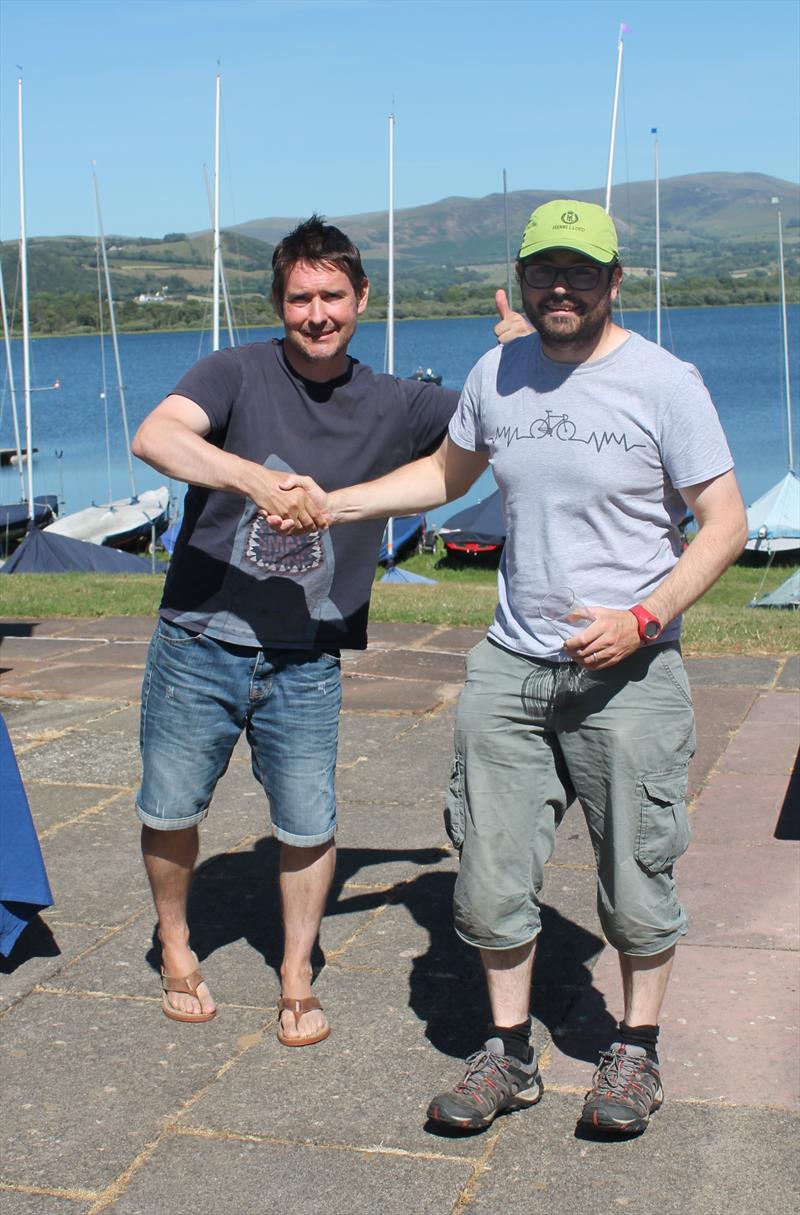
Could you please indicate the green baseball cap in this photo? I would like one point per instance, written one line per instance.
(566, 223)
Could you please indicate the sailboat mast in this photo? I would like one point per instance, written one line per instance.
(26, 329)
(390, 297)
(614, 112)
(658, 242)
(215, 291)
(508, 242)
(785, 327)
(11, 388)
(114, 342)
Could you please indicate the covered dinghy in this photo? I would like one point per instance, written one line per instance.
(44, 552)
(773, 521)
(476, 530)
(787, 595)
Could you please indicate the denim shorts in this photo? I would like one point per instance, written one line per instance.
(531, 736)
(198, 696)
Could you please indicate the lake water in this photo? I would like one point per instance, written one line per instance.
(738, 351)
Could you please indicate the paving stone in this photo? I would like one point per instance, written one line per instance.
(374, 694)
(392, 636)
(736, 895)
(693, 1158)
(458, 641)
(18, 1202)
(412, 664)
(63, 679)
(45, 649)
(759, 746)
(33, 719)
(111, 654)
(740, 808)
(40, 953)
(82, 1112)
(55, 803)
(308, 1095)
(98, 755)
(781, 709)
(384, 845)
(724, 1007)
(741, 670)
(789, 678)
(415, 765)
(106, 845)
(268, 1177)
(363, 737)
(113, 628)
(16, 626)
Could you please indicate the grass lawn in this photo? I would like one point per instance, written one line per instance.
(720, 623)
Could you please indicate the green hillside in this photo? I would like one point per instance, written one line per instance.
(719, 245)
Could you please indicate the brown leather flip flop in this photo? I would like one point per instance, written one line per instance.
(297, 1008)
(186, 986)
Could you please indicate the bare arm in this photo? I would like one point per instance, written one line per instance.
(717, 505)
(173, 439)
(446, 474)
(420, 485)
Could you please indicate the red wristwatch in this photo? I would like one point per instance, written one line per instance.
(650, 627)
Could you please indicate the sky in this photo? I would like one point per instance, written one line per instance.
(476, 86)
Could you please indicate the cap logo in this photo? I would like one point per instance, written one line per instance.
(569, 217)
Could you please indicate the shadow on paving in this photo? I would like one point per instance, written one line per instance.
(36, 941)
(235, 896)
(788, 825)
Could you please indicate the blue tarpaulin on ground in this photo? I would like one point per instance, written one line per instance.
(49, 553)
(787, 595)
(24, 888)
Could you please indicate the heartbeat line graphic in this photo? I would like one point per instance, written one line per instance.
(559, 426)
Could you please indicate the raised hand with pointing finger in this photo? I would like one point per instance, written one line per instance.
(512, 324)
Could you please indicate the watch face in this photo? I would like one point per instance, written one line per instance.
(651, 630)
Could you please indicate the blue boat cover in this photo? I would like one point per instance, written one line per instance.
(24, 888)
(169, 537)
(482, 523)
(405, 530)
(787, 595)
(776, 514)
(49, 553)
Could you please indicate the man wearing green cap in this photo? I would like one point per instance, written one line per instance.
(599, 441)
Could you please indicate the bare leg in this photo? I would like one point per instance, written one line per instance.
(644, 985)
(508, 978)
(305, 879)
(169, 858)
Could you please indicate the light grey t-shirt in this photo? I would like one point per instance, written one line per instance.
(588, 458)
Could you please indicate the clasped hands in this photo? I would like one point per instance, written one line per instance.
(293, 504)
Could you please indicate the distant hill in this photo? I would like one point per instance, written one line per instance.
(698, 212)
(718, 246)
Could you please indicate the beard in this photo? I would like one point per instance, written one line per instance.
(580, 328)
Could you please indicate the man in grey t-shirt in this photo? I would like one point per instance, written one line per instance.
(599, 441)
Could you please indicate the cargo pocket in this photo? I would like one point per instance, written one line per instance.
(664, 830)
(454, 812)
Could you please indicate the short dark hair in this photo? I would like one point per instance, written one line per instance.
(315, 241)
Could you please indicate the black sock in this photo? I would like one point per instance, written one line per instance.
(645, 1036)
(516, 1040)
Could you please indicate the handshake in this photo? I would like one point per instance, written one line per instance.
(293, 504)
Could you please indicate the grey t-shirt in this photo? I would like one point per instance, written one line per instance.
(588, 458)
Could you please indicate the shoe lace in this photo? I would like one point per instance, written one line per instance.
(483, 1068)
(617, 1072)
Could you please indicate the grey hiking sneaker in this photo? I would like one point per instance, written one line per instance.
(625, 1091)
(493, 1082)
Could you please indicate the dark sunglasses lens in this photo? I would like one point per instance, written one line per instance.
(540, 276)
(583, 278)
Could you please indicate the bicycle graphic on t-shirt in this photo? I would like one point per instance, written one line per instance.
(555, 425)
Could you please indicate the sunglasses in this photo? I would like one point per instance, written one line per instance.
(540, 276)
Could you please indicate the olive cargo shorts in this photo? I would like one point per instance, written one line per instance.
(531, 736)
